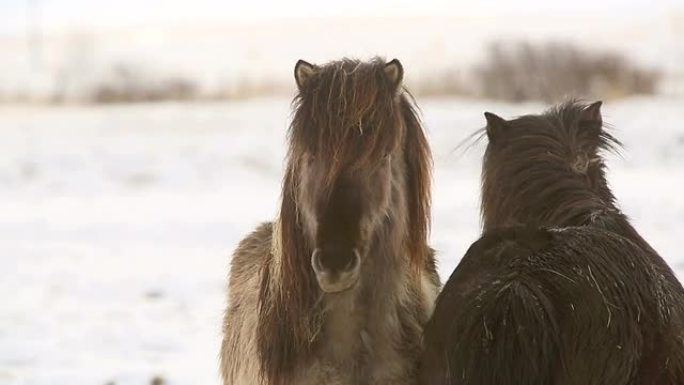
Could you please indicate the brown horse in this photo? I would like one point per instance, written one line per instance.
(337, 289)
(560, 289)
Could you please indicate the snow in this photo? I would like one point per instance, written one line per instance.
(118, 222)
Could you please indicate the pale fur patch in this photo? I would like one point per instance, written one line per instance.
(430, 293)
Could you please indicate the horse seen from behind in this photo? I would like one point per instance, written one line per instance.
(560, 289)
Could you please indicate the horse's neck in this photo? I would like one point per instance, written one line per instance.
(549, 208)
(576, 212)
(577, 207)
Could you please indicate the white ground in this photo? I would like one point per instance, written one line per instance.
(116, 223)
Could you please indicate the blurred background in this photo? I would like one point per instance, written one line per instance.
(140, 141)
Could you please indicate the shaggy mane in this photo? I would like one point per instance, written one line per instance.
(346, 103)
(547, 169)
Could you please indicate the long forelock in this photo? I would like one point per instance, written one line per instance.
(348, 111)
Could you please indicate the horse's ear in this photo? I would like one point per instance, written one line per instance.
(394, 72)
(591, 115)
(496, 126)
(303, 72)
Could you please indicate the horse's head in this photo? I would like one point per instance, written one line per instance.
(346, 145)
(536, 160)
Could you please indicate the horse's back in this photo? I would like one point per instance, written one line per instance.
(572, 306)
(239, 353)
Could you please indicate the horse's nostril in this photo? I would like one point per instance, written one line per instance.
(354, 261)
(316, 261)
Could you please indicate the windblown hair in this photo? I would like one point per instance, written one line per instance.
(346, 113)
(344, 103)
(553, 163)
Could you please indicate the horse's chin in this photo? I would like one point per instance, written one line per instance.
(338, 286)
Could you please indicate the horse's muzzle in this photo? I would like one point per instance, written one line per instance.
(336, 278)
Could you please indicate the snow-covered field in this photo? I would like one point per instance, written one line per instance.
(117, 223)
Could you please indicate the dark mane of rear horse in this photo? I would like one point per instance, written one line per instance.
(560, 289)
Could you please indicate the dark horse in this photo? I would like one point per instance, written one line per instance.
(560, 289)
(337, 289)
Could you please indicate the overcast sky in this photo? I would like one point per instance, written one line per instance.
(89, 14)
